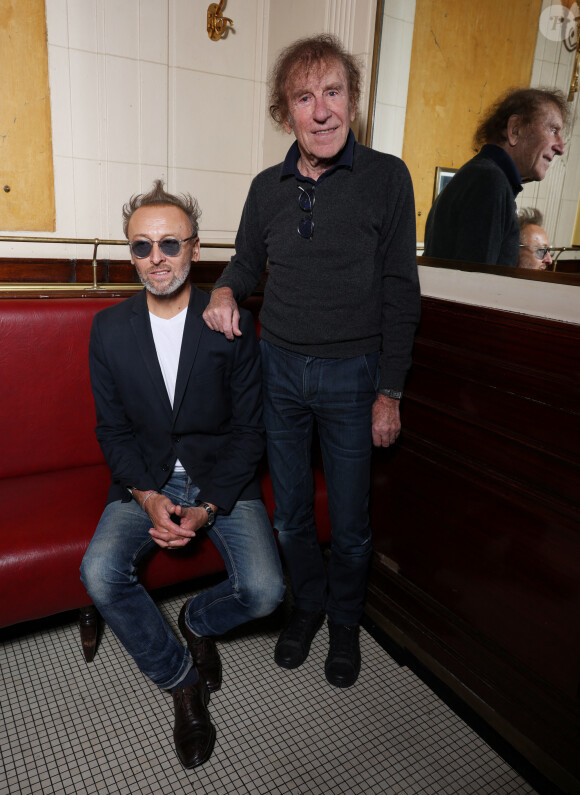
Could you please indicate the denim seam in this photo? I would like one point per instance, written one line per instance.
(374, 380)
(225, 547)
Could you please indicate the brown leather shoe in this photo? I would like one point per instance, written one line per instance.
(204, 652)
(193, 732)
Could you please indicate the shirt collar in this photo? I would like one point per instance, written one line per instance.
(505, 162)
(345, 159)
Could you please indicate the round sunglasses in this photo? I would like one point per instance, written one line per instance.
(169, 246)
(539, 251)
(306, 199)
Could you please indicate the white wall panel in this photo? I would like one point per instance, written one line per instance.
(212, 122)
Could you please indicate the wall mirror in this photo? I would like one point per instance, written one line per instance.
(417, 112)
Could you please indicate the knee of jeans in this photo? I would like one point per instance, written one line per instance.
(262, 598)
(101, 580)
(360, 548)
(289, 532)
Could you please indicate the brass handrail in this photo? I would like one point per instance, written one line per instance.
(96, 242)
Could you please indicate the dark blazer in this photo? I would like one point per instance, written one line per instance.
(215, 427)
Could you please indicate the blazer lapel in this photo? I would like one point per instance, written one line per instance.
(194, 325)
(141, 326)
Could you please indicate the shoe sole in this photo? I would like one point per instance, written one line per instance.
(289, 666)
(343, 682)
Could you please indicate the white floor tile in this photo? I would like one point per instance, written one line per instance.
(69, 726)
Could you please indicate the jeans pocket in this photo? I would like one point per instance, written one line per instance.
(371, 365)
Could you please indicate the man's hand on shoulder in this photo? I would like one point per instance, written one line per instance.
(192, 518)
(386, 421)
(222, 313)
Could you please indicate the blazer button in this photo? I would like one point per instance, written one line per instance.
(164, 468)
(177, 439)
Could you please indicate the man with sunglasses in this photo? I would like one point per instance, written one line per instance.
(179, 420)
(534, 247)
(336, 224)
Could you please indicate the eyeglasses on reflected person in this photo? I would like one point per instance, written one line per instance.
(539, 253)
(169, 246)
(306, 199)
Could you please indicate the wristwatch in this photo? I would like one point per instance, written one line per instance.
(210, 514)
(395, 394)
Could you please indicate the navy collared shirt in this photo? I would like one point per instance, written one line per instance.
(507, 165)
(345, 158)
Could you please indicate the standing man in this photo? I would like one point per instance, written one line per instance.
(474, 218)
(336, 224)
(179, 420)
(534, 246)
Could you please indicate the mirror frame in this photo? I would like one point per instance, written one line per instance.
(554, 277)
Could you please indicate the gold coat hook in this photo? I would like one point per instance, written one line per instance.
(217, 25)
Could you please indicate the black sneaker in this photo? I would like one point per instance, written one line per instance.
(295, 639)
(342, 665)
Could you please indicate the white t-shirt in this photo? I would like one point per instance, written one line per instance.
(168, 336)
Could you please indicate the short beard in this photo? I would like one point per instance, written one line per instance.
(172, 288)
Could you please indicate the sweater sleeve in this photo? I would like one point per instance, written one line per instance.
(401, 304)
(245, 269)
(474, 218)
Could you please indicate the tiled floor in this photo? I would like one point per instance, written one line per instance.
(72, 727)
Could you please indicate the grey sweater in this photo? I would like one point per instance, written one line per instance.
(352, 288)
(474, 218)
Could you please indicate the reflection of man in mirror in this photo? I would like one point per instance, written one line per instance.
(474, 218)
(534, 246)
(336, 223)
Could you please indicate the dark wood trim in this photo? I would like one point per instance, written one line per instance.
(476, 520)
(557, 277)
(73, 271)
(58, 278)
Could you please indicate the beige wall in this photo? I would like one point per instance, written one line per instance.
(139, 91)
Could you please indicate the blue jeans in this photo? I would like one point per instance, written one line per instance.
(338, 394)
(254, 586)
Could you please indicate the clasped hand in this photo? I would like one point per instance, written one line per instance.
(173, 525)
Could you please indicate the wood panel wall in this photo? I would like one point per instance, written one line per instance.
(26, 170)
(476, 516)
(464, 56)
